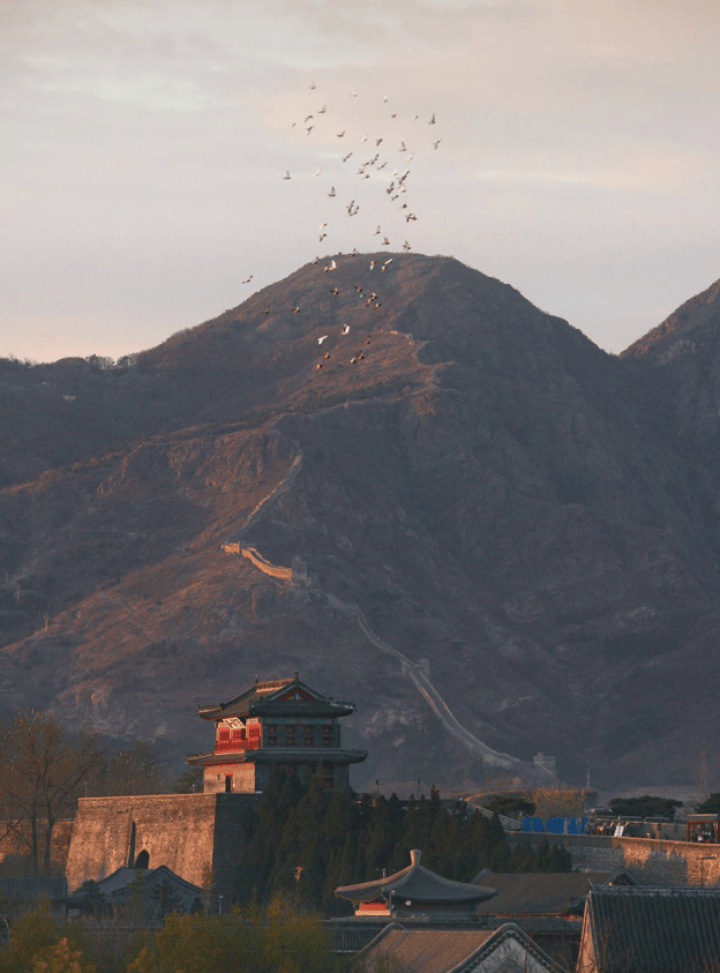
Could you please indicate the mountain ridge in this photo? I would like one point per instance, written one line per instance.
(499, 496)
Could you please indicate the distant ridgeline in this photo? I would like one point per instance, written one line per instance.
(310, 841)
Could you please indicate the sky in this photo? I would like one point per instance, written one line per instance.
(144, 144)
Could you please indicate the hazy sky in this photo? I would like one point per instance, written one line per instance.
(144, 144)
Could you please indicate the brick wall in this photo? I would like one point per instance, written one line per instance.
(654, 861)
(195, 835)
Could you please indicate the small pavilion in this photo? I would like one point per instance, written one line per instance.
(414, 890)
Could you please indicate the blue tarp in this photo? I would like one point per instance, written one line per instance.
(555, 825)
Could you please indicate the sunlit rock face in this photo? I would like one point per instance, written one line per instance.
(482, 499)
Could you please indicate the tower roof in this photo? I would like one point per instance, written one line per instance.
(278, 697)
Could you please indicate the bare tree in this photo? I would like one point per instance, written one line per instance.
(41, 771)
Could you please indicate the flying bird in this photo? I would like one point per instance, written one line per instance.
(376, 231)
(296, 310)
(386, 242)
(364, 138)
(333, 265)
(318, 367)
(432, 120)
(385, 99)
(312, 86)
(309, 129)
(287, 175)
(324, 338)
(326, 354)
(322, 237)
(408, 158)
(394, 115)
(372, 265)
(322, 110)
(402, 147)
(321, 227)
(340, 134)
(382, 166)
(267, 310)
(346, 157)
(378, 141)
(334, 291)
(248, 279)
(332, 191)
(353, 93)
(346, 329)
(414, 118)
(406, 246)
(350, 206)
(435, 144)
(306, 120)
(316, 173)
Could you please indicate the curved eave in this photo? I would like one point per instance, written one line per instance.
(312, 755)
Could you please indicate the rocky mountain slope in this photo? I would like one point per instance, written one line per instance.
(485, 512)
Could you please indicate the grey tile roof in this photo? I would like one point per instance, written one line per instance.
(654, 930)
(416, 884)
(537, 893)
(451, 951)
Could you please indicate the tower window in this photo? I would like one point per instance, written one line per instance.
(228, 783)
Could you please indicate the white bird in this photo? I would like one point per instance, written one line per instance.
(372, 265)
(402, 147)
(432, 120)
(356, 210)
(382, 166)
(316, 260)
(340, 134)
(332, 191)
(394, 115)
(322, 237)
(324, 338)
(386, 242)
(350, 206)
(364, 138)
(346, 157)
(408, 158)
(333, 265)
(354, 252)
(248, 279)
(309, 129)
(312, 86)
(378, 141)
(390, 187)
(321, 227)
(406, 246)
(287, 175)
(346, 329)
(388, 261)
(353, 93)
(321, 111)
(316, 173)
(393, 198)
(435, 144)
(385, 99)
(376, 231)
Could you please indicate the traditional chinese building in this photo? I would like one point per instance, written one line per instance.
(280, 723)
(414, 891)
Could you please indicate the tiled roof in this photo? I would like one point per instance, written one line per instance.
(455, 950)
(653, 930)
(260, 700)
(416, 884)
(534, 893)
(427, 950)
(351, 937)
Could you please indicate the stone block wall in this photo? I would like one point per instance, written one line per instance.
(199, 836)
(654, 861)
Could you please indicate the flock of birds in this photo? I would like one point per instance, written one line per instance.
(395, 183)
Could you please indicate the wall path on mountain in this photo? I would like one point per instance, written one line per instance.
(415, 672)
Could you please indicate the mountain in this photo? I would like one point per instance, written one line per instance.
(503, 540)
